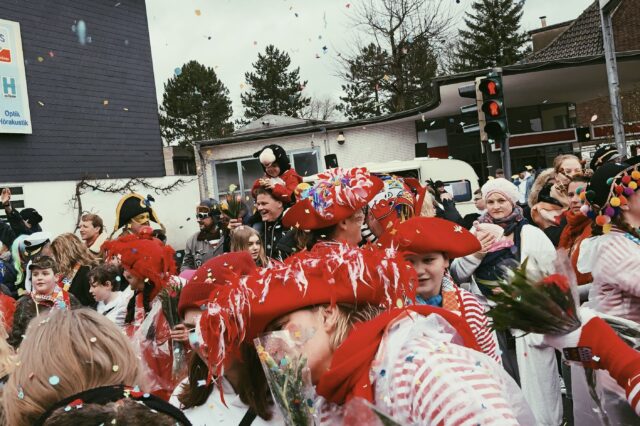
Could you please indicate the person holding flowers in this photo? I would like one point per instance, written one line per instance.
(148, 266)
(507, 240)
(429, 244)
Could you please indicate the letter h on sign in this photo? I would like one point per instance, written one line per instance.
(9, 84)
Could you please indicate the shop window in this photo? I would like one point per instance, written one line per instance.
(554, 117)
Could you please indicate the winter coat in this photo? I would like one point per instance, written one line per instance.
(80, 287)
(96, 247)
(284, 185)
(271, 234)
(536, 362)
(198, 252)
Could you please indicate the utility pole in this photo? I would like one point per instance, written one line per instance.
(606, 9)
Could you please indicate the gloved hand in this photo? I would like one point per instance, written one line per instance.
(601, 348)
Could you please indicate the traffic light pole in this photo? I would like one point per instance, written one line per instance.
(606, 8)
(505, 155)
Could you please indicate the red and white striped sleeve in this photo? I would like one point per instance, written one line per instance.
(633, 393)
(443, 384)
(617, 261)
(479, 324)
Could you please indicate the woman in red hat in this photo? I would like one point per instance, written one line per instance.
(227, 392)
(429, 244)
(332, 209)
(148, 266)
(419, 364)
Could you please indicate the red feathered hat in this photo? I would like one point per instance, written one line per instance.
(220, 270)
(337, 195)
(145, 257)
(330, 275)
(222, 326)
(431, 234)
(7, 307)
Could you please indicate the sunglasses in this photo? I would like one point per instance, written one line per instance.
(202, 216)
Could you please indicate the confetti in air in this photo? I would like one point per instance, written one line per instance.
(177, 71)
(594, 117)
(198, 12)
(81, 31)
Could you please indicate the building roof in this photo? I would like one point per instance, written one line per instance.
(271, 122)
(582, 38)
(551, 27)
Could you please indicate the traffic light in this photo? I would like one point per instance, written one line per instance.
(472, 110)
(495, 113)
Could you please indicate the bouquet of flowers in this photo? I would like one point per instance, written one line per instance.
(545, 306)
(169, 296)
(288, 376)
(232, 203)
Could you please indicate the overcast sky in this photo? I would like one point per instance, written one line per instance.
(228, 34)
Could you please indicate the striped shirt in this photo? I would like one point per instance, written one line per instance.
(479, 324)
(420, 377)
(616, 288)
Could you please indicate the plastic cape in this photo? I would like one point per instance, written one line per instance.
(151, 342)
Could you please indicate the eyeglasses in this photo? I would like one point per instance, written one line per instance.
(202, 216)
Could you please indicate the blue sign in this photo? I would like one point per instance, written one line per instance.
(15, 116)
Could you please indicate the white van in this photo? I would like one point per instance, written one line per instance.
(459, 177)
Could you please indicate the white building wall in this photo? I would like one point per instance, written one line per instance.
(53, 200)
(375, 143)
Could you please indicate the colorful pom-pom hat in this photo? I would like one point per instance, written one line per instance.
(336, 195)
(609, 188)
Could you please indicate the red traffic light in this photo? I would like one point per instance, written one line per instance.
(492, 108)
(490, 87)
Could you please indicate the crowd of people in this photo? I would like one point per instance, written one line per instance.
(377, 280)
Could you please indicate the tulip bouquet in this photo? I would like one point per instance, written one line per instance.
(288, 376)
(232, 205)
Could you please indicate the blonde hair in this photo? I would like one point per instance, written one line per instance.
(80, 349)
(428, 205)
(240, 242)
(68, 250)
(348, 316)
(557, 162)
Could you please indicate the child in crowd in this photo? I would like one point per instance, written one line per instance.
(46, 294)
(247, 239)
(278, 177)
(105, 289)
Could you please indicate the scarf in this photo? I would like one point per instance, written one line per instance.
(577, 223)
(509, 223)
(348, 376)
(209, 234)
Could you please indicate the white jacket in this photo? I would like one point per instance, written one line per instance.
(213, 412)
(537, 365)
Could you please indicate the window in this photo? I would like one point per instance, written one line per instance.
(242, 172)
(461, 190)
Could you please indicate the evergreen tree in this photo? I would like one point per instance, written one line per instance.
(493, 37)
(273, 88)
(363, 92)
(195, 106)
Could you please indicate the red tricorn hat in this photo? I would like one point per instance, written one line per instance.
(337, 195)
(331, 275)
(145, 257)
(431, 234)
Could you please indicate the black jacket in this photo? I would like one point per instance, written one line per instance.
(271, 234)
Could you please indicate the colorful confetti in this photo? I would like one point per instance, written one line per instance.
(115, 368)
(54, 380)
(81, 31)
(93, 340)
(198, 12)
(594, 117)
(177, 71)
(40, 59)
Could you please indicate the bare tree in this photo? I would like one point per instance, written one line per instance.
(410, 35)
(321, 108)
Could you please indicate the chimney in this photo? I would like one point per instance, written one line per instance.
(543, 21)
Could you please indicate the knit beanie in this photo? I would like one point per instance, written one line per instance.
(217, 270)
(502, 187)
